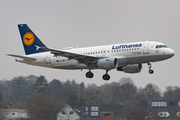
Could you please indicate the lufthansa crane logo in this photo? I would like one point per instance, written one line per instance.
(28, 38)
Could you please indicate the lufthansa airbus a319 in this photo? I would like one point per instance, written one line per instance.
(127, 57)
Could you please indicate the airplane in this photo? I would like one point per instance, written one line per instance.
(127, 57)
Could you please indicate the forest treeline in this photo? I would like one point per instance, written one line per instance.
(45, 99)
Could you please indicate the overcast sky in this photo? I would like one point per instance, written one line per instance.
(72, 23)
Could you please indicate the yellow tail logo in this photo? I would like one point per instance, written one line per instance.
(28, 38)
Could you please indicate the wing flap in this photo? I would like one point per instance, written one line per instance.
(21, 56)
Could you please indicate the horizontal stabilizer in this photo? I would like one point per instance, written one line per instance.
(23, 57)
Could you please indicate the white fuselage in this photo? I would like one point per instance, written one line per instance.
(126, 53)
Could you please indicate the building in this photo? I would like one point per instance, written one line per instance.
(67, 113)
(164, 110)
(103, 112)
(14, 113)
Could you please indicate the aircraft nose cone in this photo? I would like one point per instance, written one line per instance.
(171, 52)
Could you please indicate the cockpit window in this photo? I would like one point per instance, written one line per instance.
(161, 46)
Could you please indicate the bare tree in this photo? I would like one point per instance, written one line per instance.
(138, 112)
(105, 94)
(151, 92)
(92, 94)
(128, 91)
(20, 90)
(172, 92)
(109, 93)
(116, 93)
(44, 106)
(6, 90)
(17, 90)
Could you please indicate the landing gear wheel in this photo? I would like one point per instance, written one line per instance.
(150, 66)
(106, 77)
(151, 71)
(89, 74)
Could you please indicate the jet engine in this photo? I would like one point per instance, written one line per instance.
(135, 68)
(107, 63)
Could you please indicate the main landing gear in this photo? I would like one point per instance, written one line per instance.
(89, 74)
(150, 70)
(105, 76)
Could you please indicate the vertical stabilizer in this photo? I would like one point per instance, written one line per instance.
(30, 41)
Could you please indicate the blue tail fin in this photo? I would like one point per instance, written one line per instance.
(30, 41)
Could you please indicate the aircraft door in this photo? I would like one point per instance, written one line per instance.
(48, 58)
(103, 53)
(146, 48)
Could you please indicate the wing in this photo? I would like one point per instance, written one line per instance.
(85, 59)
(23, 57)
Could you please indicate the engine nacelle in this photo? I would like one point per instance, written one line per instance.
(135, 68)
(107, 63)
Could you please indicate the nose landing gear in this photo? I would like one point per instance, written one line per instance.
(150, 70)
